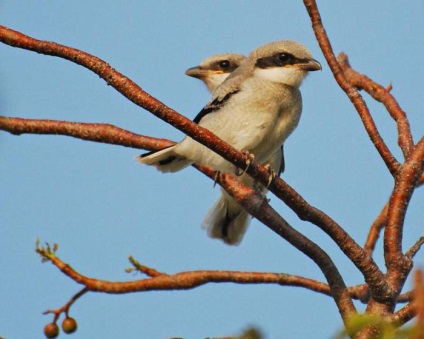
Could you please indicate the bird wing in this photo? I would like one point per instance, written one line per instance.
(213, 106)
(226, 90)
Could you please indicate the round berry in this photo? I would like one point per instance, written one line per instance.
(69, 325)
(51, 330)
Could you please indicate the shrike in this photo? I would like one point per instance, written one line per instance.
(255, 109)
(213, 71)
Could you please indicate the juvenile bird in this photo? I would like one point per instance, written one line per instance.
(255, 109)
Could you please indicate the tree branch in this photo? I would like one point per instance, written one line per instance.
(356, 99)
(65, 308)
(410, 254)
(405, 184)
(414, 308)
(375, 229)
(379, 223)
(405, 314)
(179, 281)
(399, 265)
(381, 94)
(104, 133)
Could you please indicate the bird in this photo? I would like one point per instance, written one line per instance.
(255, 110)
(212, 71)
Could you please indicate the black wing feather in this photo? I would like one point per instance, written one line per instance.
(213, 106)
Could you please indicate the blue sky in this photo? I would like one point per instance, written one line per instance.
(102, 206)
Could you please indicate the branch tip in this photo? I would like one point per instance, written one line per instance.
(415, 248)
(151, 272)
(46, 252)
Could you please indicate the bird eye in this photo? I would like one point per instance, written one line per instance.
(283, 57)
(224, 64)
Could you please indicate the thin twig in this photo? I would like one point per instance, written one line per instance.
(65, 308)
(414, 249)
(356, 99)
(383, 95)
(151, 272)
(378, 224)
(375, 230)
(405, 184)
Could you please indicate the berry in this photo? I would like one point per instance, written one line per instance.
(69, 325)
(51, 330)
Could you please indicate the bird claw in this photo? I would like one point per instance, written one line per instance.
(271, 174)
(249, 161)
(215, 178)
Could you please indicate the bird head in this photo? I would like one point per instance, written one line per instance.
(215, 69)
(285, 61)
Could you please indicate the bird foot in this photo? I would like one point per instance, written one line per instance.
(249, 161)
(215, 178)
(271, 174)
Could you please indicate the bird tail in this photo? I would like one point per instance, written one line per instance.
(227, 220)
(165, 160)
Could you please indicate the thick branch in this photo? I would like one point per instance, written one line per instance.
(378, 224)
(399, 265)
(104, 133)
(405, 314)
(414, 308)
(350, 90)
(406, 182)
(382, 95)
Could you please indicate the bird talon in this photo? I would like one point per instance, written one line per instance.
(249, 161)
(215, 178)
(271, 174)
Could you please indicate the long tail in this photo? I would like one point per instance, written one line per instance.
(227, 220)
(165, 160)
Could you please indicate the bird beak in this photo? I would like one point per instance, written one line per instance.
(197, 72)
(311, 65)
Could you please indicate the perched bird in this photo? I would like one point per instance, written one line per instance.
(255, 109)
(213, 71)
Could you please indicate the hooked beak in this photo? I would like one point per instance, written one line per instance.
(311, 65)
(196, 72)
